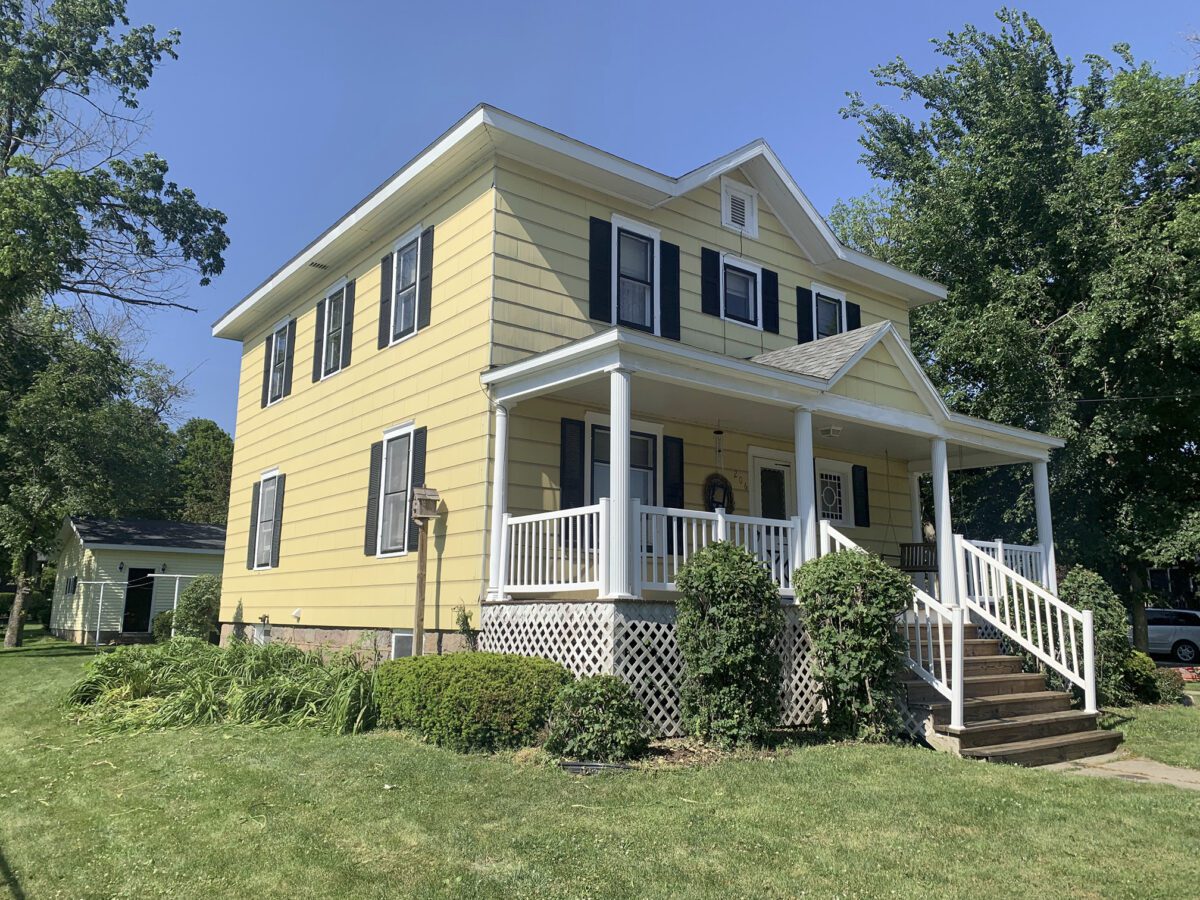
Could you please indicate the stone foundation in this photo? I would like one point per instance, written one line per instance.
(370, 642)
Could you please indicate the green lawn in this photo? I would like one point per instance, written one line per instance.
(1169, 734)
(235, 811)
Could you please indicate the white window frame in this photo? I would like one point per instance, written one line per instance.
(410, 236)
(729, 187)
(845, 471)
(338, 287)
(593, 418)
(402, 633)
(619, 224)
(754, 269)
(388, 436)
(824, 290)
(264, 477)
(280, 328)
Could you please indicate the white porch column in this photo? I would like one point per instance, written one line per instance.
(620, 522)
(1045, 527)
(806, 491)
(914, 498)
(941, 520)
(499, 502)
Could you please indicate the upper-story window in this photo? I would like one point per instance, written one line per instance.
(335, 330)
(277, 348)
(829, 311)
(739, 207)
(741, 294)
(404, 285)
(635, 294)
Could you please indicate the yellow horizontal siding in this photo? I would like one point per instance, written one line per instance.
(877, 379)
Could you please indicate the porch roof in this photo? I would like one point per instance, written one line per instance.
(743, 393)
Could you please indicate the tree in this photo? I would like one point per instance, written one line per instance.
(1063, 214)
(80, 214)
(72, 440)
(203, 465)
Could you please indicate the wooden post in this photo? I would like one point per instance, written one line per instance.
(419, 604)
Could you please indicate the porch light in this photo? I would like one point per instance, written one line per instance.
(296, 614)
(831, 431)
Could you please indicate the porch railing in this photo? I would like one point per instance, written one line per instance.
(1025, 559)
(556, 551)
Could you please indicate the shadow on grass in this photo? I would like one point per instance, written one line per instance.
(1111, 720)
(9, 880)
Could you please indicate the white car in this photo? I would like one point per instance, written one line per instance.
(1175, 632)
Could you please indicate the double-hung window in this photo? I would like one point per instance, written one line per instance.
(264, 532)
(829, 312)
(404, 287)
(643, 465)
(335, 322)
(741, 295)
(395, 490)
(635, 275)
(279, 345)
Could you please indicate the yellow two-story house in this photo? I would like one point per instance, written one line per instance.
(600, 369)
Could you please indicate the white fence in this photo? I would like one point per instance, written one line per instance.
(1027, 560)
(556, 551)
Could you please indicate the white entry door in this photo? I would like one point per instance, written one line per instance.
(772, 485)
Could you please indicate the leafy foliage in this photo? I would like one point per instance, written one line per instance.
(187, 681)
(198, 608)
(1062, 210)
(470, 701)
(470, 635)
(1141, 677)
(728, 624)
(161, 626)
(849, 602)
(597, 720)
(1170, 685)
(203, 462)
(1085, 589)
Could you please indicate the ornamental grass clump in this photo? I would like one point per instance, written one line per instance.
(849, 602)
(728, 624)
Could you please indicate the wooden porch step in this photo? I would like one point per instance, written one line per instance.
(1001, 706)
(980, 686)
(1046, 750)
(970, 631)
(991, 732)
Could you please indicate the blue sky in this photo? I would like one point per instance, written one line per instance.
(284, 114)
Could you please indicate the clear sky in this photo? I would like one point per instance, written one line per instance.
(284, 113)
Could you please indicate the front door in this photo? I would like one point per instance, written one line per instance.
(139, 593)
(772, 486)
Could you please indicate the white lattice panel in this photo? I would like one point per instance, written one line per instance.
(577, 635)
(647, 656)
(799, 700)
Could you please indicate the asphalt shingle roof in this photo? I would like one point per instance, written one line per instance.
(823, 358)
(150, 533)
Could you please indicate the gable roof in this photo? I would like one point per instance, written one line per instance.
(150, 533)
(823, 358)
(488, 130)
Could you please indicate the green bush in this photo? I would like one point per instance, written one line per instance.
(849, 602)
(1170, 685)
(470, 701)
(597, 719)
(161, 626)
(188, 681)
(1084, 589)
(728, 624)
(1141, 677)
(198, 608)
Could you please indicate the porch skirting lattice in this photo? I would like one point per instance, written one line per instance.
(635, 640)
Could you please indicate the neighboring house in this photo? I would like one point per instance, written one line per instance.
(589, 361)
(114, 575)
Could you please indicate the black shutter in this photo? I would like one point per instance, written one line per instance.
(287, 363)
(318, 340)
(668, 291)
(673, 484)
(710, 282)
(253, 524)
(374, 480)
(853, 316)
(862, 502)
(425, 280)
(417, 474)
(770, 301)
(570, 464)
(385, 301)
(600, 263)
(266, 391)
(804, 315)
(279, 479)
(347, 323)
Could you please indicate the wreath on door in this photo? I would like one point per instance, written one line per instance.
(718, 493)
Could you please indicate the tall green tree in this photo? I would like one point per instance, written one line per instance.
(81, 214)
(1062, 210)
(204, 462)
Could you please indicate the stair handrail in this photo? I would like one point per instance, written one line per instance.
(1028, 614)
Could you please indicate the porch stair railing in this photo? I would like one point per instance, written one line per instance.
(1055, 634)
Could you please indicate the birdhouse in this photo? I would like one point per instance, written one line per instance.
(424, 503)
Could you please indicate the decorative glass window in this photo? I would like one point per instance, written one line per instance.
(335, 316)
(835, 492)
(635, 280)
(404, 287)
(740, 292)
(264, 537)
(279, 343)
(830, 315)
(831, 495)
(394, 495)
(643, 465)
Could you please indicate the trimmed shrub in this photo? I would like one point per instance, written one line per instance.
(470, 701)
(1141, 676)
(850, 602)
(1170, 685)
(597, 720)
(161, 626)
(198, 608)
(728, 623)
(1084, 589)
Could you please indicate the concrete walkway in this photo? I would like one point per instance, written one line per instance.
(1131, 768)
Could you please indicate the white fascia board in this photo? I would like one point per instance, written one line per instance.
(151, 548)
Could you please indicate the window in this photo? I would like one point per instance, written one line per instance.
(402, 643)
(829, 312)
(71, 585)
(335, 321)
(279, 344)
(635, 275)
(643, 465)
(404, 287)
(394, 493)
(741, 297)
(835, 492)
(739, 207)
(264, 532)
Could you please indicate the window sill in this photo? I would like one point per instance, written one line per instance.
(394, 554)
(753, 326)
(404, 337)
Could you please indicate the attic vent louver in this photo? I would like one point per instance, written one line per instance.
(737, 210)
(739, 207)
(318, 266)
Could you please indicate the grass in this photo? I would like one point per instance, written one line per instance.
(238, 811)
(1169, 734)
